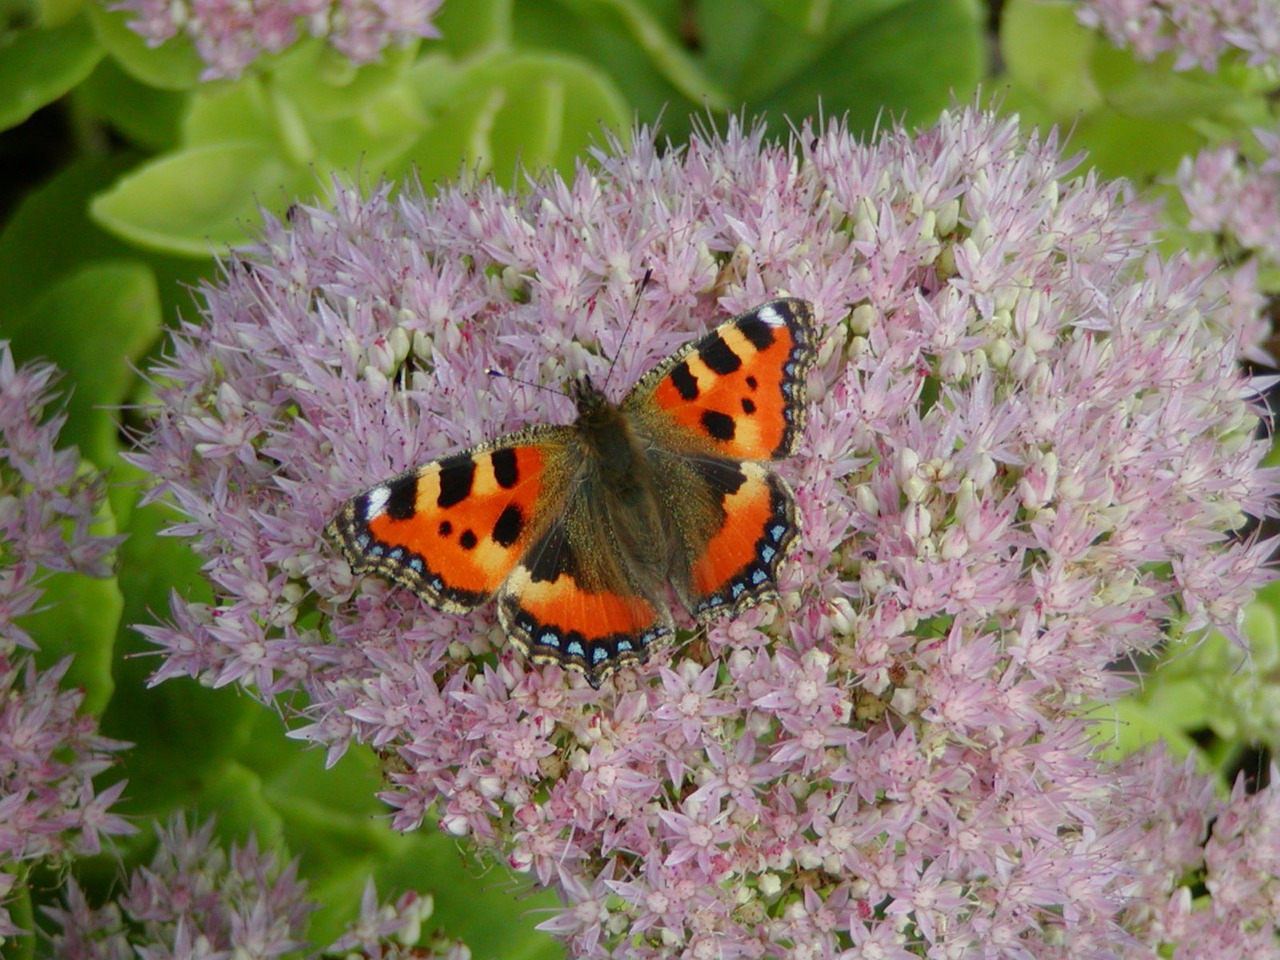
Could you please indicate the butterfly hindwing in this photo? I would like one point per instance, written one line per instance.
(573, 600)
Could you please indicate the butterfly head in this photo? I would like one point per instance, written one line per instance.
(589, 399)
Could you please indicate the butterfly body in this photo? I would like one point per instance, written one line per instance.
(578, 529)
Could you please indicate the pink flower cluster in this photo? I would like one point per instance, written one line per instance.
(1231, 847)
(1229, 195)
(197, 900)
(1028, 439)
(1198, 32)
(230, 34)
(49, 751)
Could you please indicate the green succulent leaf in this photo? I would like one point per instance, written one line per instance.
(198, 201)
(530, 110)
(174, 65)
(94, 324)
(37, 66)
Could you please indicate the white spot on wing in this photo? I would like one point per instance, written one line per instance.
(376, 502)
(770, 316)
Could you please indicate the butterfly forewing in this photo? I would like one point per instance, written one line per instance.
(739, 391)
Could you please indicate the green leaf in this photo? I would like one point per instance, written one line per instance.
(475, 28)
(197, 201)
(147, 116)
(174, 65)
(603, 41)
(377, 139)
(1127, 726)
(38, 66)
(530, 110)
(1155, 91)
(306, 75)
(23, 914)
(54, 13)
(79, 616)
(1134, 147)
(767, 45)
(910, 62)
(684, 72)
(1062, 81)
(233, 112)
(50, 237)
(182, 732)
(93, 325)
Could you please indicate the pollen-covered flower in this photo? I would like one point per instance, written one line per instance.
(49, 751)
(1027, 440)
(1197, 32)
(230, 34)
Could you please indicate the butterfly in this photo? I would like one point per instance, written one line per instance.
(578, 529)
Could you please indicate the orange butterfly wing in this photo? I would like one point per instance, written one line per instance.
(714, 410)
(453, 530)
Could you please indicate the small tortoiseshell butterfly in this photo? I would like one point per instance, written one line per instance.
(577, 529)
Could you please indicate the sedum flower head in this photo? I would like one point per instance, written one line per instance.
(230, 34)
(49, 751)
(198, 900)
(1198, 32)
(1028, 438)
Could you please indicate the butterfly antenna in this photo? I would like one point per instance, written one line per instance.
(635, 306)
(496, 374)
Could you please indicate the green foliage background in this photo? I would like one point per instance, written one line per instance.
(129, 176)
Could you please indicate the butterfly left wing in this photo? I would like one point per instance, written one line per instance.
(454, 529)
(523, 518)
(711, 413)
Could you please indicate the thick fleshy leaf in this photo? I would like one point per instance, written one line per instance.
(198, 201)
(535, 110)
(79, 616)
(1062, 82)
(174, 65)
(93, 324)
(661, 47)
(912, 61)
(474, 28)
(326, 86)
(49, 237)
(37, 66)
(1127, 726)
(769, 44)
(147, 116)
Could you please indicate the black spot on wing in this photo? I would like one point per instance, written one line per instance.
(719, 425)
(758, 333)
(457, 474)
(718, 355)
(468, 540)
(504, 468)
(552, 557)
(725, 476)
(748, 405)
(510, 524)
(402, 502)
(684, 382)
(445, 528)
